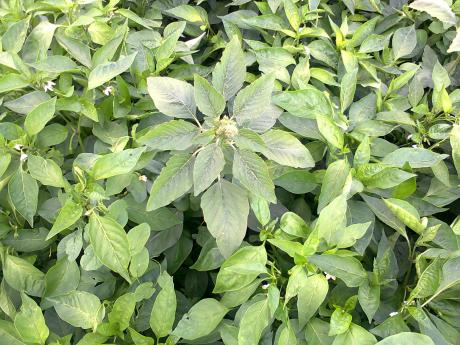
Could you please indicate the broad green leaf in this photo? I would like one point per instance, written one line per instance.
(122, 311)
(404, 41)
(30, 323)
(138, 237)
(412, 338)
(437, 9)
(164, 307)
(406, 213)
(308, 102)
(416, 157)
(292, 14)
(208, 99)
(8, 334)
(229, 74)
(285, 149)
(172, 97)
(355, 335)
(234, 275)
(332, 220)
(23, 193)
(39, 116)
(104, 72)
(110, 243)
(61, 278)
(454, 137)
(251, 171)
(13, 38)
(12, 81)
(38, 42)
(347, 268)
(253, 322)
(201, 319)
(340, 322)
(333, 182)
(330, 131)
(310, 297)
(68, 215)
(225, 209)
(46, 171)
(56, 64)
(369, 299)
(208, 166)
(175, 179)
(317, 331)
(171, 135)
(21, 275)
(253, 99)
(79, 308)
(117, 163)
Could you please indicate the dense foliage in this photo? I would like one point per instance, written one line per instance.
(215, 172)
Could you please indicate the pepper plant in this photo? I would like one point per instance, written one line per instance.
(229, 172)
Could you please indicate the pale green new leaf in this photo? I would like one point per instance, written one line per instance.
(207, 98)
(39, 116)
(23, 193)
(30, 323)
(164, 307)
(117, 163)
(208, 165)
(46, 171)
(104, 72)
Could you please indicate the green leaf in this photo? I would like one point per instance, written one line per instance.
(56, 64)
(208, 165)
(285, 149)
(307, 103)
(104, 72)
(255, 319)
(46, 171)
(62, 278)
(175, 179)
(172, 97)
(454, 137)
(23, 193)
(79, 308)
(340, 322)
(310, 297)
(416, 157)
(251, 171)
(346, 268)
(334, 182)
(30, 323)
(208, 99)
(412, 338)
(292, 14)
(437, 9)
(39, 116)
(229, 74)
(23, 276)
(332, 220)
(330, 131)
(253, 99)
(164, 307)
(404, 41)
(110, 243)
(236, 273)
(122, 311)
(117, 163)
(355, 335)
(68, 215)
(225, 209)
(406, 213)
(171, 135)
(369, 299)
(13, 38)
(201, 319)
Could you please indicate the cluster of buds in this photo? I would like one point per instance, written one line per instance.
(227, 128)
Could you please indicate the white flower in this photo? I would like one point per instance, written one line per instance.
(265, 285)
(108, 90)
(23, 157)
(143, 178)
(415, 146)
(329, 276)
(49, 85)
(394, 313)
(18, 147)
(88, 212)
(409, 137)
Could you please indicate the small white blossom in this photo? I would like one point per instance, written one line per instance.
(18, 147)
(409, 137)
(23, 157)
(329, 276)
(49, 86)
(394, 313)
(143, 178)
(415, 146)
(265, 285)
(108, 90)
(88, 212)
